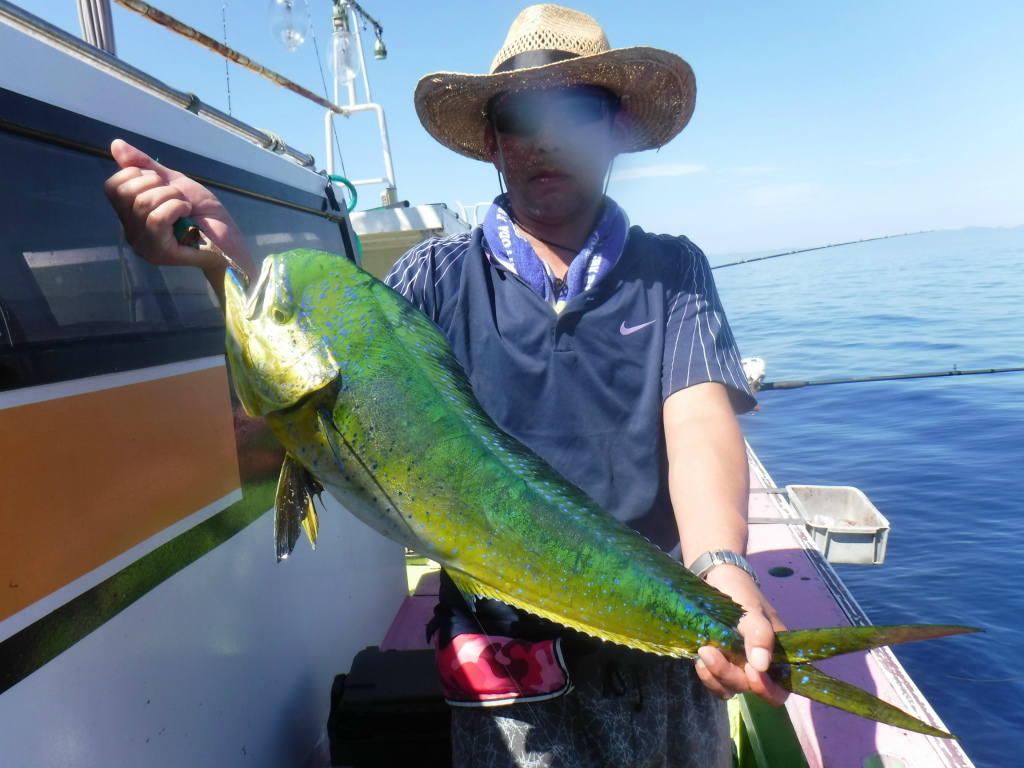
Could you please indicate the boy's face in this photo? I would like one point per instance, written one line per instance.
(554, 147)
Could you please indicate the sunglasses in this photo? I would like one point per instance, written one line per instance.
(525, 114)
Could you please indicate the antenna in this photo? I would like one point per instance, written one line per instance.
(227, 69)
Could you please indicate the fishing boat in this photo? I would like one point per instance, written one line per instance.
(143, 618)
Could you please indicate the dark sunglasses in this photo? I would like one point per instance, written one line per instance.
(525, 115)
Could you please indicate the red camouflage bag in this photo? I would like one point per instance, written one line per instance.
(489, 670)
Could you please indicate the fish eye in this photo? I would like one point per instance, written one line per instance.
(282, 314)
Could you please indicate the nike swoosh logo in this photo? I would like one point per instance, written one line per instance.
(626, 331)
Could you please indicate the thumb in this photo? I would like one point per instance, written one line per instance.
(759, 638)
(127, 156)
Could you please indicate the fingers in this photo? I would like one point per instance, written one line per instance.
(719, 676)
(136, 194)
(764, 687)
(140, 190)
(725, 679)
(138, 174)
(156, 210)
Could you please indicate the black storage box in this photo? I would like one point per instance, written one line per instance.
(389, 711)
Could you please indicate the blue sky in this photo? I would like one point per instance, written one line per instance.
(815, 122)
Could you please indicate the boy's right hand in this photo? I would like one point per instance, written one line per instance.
(150, 198)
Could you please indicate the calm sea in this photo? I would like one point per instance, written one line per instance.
(943, 459)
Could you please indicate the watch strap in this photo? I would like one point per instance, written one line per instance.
(709, 560)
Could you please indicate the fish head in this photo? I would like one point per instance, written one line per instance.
(276, 353)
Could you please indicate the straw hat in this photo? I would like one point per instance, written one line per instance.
(550, 46)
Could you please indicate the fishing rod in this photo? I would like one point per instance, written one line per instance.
(816, 248)
(166, 20)
(797, 384)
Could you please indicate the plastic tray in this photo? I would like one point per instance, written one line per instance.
(845, 525)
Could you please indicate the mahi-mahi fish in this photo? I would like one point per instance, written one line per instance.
(370, 403)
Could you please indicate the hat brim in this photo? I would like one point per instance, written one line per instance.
(658, 87)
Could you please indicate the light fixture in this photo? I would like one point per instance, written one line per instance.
(289, 24)
(344, 56)
(379, 51)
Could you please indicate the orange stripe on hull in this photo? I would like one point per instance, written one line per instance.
(85, 478)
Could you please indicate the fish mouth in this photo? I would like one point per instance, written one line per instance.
(243, 299)
(235, 286)
(330, 389)
(235, 299)
(260, 289)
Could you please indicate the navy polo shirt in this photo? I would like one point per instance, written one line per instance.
(584, 388)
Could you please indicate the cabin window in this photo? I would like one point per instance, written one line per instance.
(62, 275)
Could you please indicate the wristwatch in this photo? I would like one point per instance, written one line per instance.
(709, 560)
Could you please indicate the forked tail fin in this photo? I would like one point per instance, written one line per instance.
(796, 648)
(799, 646)
(816, 685)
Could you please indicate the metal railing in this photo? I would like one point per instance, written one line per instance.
(40, 29)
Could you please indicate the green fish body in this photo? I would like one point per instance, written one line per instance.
(370, 403)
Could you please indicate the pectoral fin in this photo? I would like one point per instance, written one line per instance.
(293, 506)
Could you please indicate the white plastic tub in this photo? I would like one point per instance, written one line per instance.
(845, 525)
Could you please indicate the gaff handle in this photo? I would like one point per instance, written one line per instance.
(188, 233)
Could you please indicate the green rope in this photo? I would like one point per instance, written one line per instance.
(351, 188)
(351, 206)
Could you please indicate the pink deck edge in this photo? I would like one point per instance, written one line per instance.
(814, 596)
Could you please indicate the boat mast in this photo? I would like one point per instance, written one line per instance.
(347, 58)
(97, 26)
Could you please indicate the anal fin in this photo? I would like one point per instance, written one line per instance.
(472, 589)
